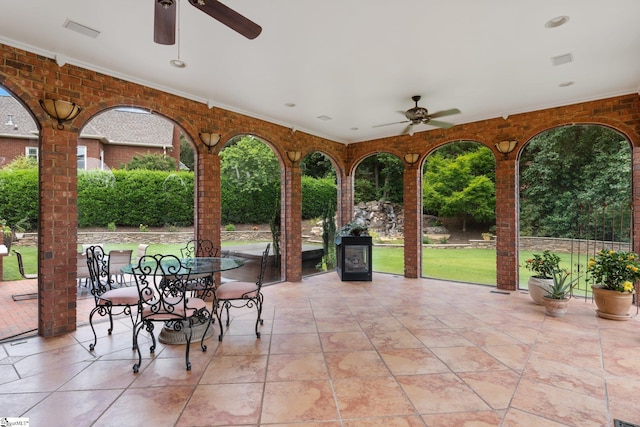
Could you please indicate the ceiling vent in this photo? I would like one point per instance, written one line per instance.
(82, 29)
(562, 59)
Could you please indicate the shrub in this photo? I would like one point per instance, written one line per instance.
(229, 227)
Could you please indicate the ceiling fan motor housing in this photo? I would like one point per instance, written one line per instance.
(417, 114)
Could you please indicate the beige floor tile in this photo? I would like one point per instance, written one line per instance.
(383, 340)
(559, 404)
(235, 369)
(494, 387)
(413, 361)
(465, 359)
(156, 406)
(338, 324)
(72, 408)
(371, 397)
(296, 366)
(295, 343)
(411, 421)
(442, 393)
(481, 418)
(298, 401)
(345, 341)
(243, 345)
(348, 364)
(223, 405)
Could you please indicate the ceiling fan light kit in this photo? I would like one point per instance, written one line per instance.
(420, 115)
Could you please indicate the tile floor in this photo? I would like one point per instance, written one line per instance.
(391, 352)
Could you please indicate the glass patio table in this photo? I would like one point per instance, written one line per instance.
(198, 268)
(195, 266)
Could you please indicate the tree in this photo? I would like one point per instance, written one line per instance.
(250, 175)
(379, 177)
(186, 153)
(568, 166)
(22, 162)
(317, 165)
(460, 185)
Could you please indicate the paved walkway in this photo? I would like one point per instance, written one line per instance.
(20, 317)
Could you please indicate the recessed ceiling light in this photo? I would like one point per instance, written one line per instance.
(178, 63)
(290, 104)
(354, 128)
(82, 29)
(567, 83)
(557, 21)
(323, 117)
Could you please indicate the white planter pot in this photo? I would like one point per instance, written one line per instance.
(537, 288)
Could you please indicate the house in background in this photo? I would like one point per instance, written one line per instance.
(108, 141)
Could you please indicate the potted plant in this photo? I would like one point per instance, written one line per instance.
(543, 266)
(487, 236)
(557, 295)
(613, 274)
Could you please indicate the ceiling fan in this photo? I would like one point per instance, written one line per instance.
(418, 115)
(164, 31)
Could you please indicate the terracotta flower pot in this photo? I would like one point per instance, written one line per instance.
(612, 305)
(555, 307)
(536, 291)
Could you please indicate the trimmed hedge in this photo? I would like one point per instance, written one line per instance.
(131, 198)
(153, 198)
(317, 194)
(19, 197)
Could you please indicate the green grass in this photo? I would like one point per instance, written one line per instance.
(464, 265)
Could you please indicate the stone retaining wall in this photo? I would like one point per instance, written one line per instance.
(536, 244)
(150, 237)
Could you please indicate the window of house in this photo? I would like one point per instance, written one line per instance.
(82, 157)
(31, 152)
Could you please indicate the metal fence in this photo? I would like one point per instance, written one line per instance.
(598, 226)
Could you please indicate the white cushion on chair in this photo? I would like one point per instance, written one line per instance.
(236, 290)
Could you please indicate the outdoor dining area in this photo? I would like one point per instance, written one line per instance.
(179, 292)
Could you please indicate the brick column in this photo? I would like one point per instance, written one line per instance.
(412, 194)
(208, 198)
(507, 219)
(57, 232)
(291, 239)
(344, 209)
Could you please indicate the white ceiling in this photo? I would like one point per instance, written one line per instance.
(356, 61)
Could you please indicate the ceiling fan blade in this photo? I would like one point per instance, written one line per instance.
(228, 17)
(389, 124)
(408, 130)
(444, 113)
(164, 23)
(439, 124)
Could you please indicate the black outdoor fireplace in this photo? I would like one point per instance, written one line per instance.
(353, 255)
